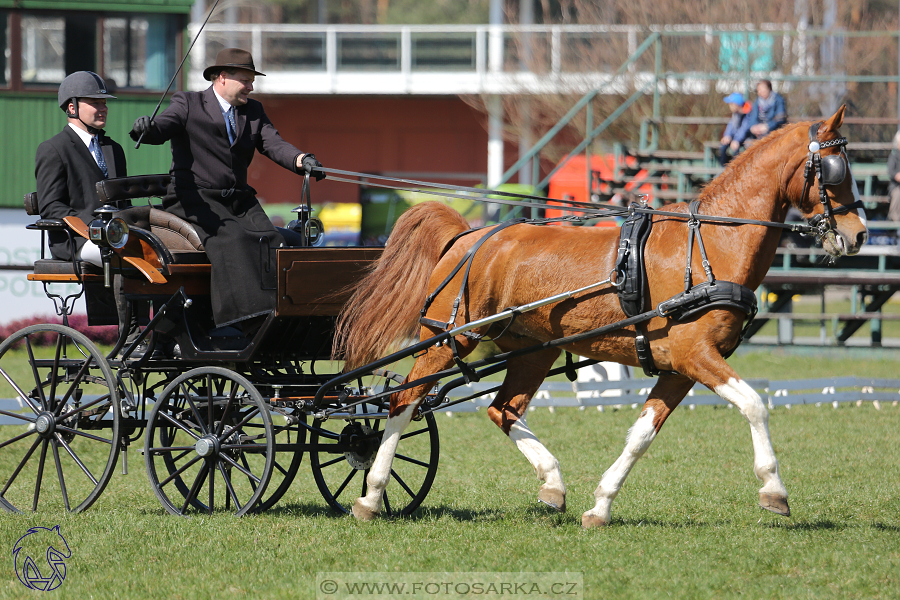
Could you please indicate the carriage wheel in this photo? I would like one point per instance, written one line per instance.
(209, 443)
(341, 452)
(60, 439)
(289, 425)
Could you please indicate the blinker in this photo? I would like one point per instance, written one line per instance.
(834, 169)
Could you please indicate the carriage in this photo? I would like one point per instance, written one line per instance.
(226, 419)
(227, 423)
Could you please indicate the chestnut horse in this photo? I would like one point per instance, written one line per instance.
(524, 263)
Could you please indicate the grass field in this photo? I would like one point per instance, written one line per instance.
(686, 524)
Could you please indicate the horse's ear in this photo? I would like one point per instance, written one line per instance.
(836, 120)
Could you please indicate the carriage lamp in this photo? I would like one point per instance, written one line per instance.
(108, 232)
(311, 228)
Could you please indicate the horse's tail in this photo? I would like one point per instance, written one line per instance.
(384, 307)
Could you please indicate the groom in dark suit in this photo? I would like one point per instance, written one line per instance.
(67, 168)
(214, 135)
(69, 165)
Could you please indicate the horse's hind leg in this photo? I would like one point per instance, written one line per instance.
(668, 392)
(403, 408)
(523, 377)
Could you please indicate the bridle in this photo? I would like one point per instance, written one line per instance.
(829, 170)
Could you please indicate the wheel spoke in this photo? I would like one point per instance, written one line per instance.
(181, 470)
(240, 468)
(178, 424)
(55, 369)
(20, 467)
(76, 383)
(34, 372)
(212, 486)
(22, 395)
(83, 407)
(247, 466)
(197, 416)
(232, 494)
(195, 489)
(83, 434)
(243, 422)
(75, 458)
(40, 476)
(387, 503)
(226, 411)
(414, 433)
(340, 458)
(59, 472)
(402, 483)
(411, 460)
(350, 477)
(18, 437)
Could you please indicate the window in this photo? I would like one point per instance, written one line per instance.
(43, 49)
(138, 51)
(129, 51)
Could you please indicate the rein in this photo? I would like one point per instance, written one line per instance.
(591, 210)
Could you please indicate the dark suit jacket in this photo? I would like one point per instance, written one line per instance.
(202, 157)
(209, 188)
(66, 175)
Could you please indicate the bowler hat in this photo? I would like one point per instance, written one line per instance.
(231, 58)
(735, 98)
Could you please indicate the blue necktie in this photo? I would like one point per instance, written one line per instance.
(232, 126)
(98, 155)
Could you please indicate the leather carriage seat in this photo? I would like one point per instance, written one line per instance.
(177, 235)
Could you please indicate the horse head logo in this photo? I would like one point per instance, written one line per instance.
(39, 557)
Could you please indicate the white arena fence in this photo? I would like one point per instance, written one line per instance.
(632, 393)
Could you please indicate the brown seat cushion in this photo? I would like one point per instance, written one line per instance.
(174, 232)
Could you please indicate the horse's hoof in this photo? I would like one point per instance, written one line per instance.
(589, 521)
(553, 498)
(776, 504)
(362, 513)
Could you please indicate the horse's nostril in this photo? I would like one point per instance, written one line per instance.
(861, 238)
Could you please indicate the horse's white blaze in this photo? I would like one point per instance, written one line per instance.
(545, 464)
(639, 438)
(765, 465)
(856, 198)
(380, 472)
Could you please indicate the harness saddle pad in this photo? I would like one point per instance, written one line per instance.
(630, 262)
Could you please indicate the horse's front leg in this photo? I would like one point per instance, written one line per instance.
(664, 397)
(524, 375)
(713, 372)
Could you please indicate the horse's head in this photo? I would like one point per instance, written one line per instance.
(830, 199)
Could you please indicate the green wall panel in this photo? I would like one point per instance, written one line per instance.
(163, 6)
(29, 119)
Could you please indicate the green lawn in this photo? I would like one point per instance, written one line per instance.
(686, 524)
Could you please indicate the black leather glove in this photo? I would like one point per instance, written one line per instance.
(141, 125)
(312, 166)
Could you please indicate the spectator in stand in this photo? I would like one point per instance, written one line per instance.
(767, 114)
(739, 110)
(894, 185)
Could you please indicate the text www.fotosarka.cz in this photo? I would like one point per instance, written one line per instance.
(343, 585)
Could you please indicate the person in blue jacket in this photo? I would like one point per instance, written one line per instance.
(767, 114)
(735, 103)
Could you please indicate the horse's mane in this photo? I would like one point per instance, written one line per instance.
(741, 163)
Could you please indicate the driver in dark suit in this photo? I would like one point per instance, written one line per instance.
(214, 135)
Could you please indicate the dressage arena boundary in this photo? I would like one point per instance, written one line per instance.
(633, 393)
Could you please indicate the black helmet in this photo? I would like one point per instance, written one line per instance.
(81, 84)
